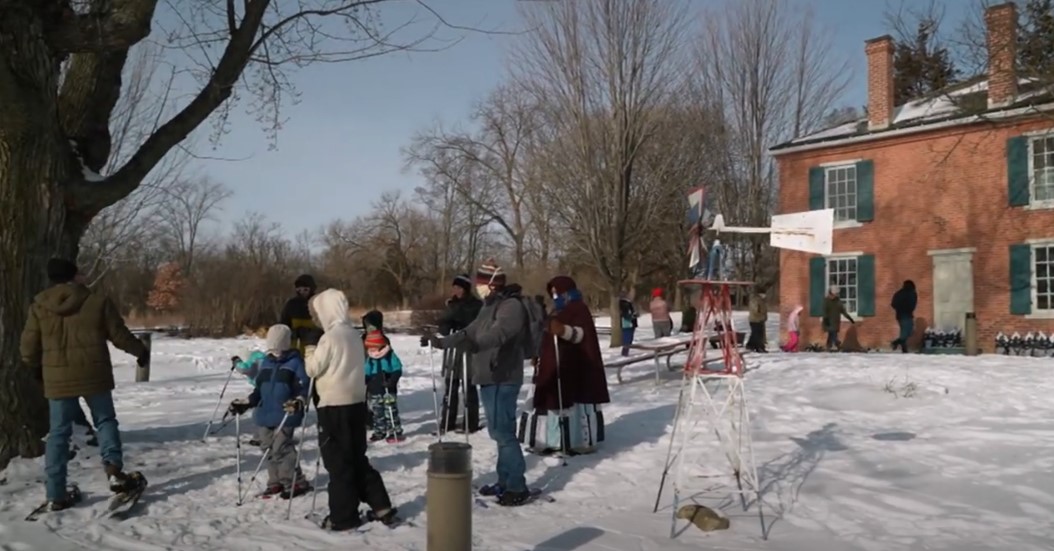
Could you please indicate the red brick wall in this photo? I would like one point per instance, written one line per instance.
(938, 190)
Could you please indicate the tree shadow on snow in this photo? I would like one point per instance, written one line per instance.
(785, 474)
(572, 539)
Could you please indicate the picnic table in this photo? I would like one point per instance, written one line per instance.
(652, 349)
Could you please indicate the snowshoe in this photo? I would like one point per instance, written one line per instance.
(128, 488)
(394, 438)
(254, 442)
(517, 499)
(377, 437)
(73, 497)
(390, 518)
(271, 491)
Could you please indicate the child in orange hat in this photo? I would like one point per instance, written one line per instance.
(383, 370)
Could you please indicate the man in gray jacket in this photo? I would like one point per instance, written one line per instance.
(496, 340)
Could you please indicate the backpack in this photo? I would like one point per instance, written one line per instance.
(531, 338)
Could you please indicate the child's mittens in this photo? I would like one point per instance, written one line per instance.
(294, 405)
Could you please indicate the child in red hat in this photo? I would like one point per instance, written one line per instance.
(383, 370)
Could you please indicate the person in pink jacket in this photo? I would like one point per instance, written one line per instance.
(792, 330)
(661, 322)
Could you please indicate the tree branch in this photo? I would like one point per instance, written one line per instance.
(109, 26)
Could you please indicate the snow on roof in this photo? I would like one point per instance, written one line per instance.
(939, 106)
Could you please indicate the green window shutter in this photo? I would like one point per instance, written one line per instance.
(817, 188)
(1021, 279)
(865, 285)
(1017, 176)
(817, 285)
(865, 191)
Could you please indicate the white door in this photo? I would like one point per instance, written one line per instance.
(952, 289)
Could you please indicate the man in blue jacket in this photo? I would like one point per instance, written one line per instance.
(281, 392)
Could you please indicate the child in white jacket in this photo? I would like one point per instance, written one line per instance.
(337, 367)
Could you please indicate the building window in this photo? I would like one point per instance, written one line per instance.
(1041, 161)
(840, 191)
(843, 273)
(1043, 277)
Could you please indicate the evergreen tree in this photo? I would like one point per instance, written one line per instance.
(921, 65)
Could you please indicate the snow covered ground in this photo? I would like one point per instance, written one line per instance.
(846, 461)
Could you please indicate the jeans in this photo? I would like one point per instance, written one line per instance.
(627, 339)
(499, 405)
(63, 412)
(832, 339)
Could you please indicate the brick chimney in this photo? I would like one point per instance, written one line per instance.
(880, 104)
(1001, 24)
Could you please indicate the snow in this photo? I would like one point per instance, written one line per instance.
(855, 452)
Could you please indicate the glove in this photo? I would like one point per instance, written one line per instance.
(294, 405)
(555, 327)
(239, 406)
(144, 360)
(424, 340)
(236, 359)
(435, 341)
(309, 351)
(471, 346)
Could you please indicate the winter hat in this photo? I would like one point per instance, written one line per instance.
(656, 292)
(279, 339)
(463, 281)
(490, 274)
(375, 339)
(305, 280)
(61, 270)
(561, 284)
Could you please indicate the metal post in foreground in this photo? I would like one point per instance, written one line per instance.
(142, 373)
(970, 334)
(448, 497)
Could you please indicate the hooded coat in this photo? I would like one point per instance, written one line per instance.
(297, 316)
(65, 340)
(904, 301)
(581, 365)
(338, 362)
(281, 378)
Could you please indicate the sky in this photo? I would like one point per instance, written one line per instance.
(340, 148)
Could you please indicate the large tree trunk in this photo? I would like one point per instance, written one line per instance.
(616, 319)
(35, 161)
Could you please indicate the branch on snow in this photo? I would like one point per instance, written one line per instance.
(115, 27)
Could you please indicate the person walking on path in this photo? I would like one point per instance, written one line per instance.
(65, 343)
(833, 310)
(757, 316)
(903, 304)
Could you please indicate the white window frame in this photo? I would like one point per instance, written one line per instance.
(1047, 313)
(827, 170)
(1032, 138)
(855, 257)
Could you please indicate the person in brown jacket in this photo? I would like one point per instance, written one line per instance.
(757, 316)
(65, 343)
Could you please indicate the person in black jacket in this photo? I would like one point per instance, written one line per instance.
(903, 303)
(296, 316)
(462, 308)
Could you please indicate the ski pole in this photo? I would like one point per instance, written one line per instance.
(300, 447)
(435, 391)
(267, 453)
(464, 394)
(208, 427)
(448, 390)
(318, 465)
(238, 453)
(562, 420)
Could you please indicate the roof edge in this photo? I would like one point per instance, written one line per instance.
(1003, 114)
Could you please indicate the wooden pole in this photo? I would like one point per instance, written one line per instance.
(142, 372)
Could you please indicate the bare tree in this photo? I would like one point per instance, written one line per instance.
(186, 206)
(602, 70)
(495, 181)
(61, 67)
(774, 76)
(143, 103)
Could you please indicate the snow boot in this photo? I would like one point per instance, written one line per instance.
(120, 482)
(327, 524)
(73, 497)
(491, 490)
(378, 436)
(389, 518)
(300, 488)
(273, 490)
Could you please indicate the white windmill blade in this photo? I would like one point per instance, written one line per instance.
(809, 231)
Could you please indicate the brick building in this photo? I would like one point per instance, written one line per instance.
(955, 192)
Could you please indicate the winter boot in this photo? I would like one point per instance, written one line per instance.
(389, 518)
(327, 524)
(378, 436)
(300, 488)
(120, 482)
(73, 497)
